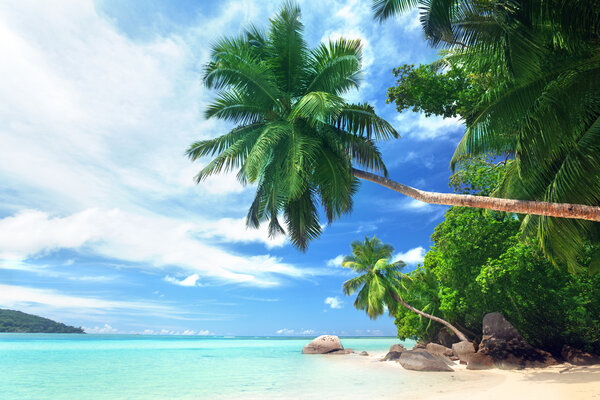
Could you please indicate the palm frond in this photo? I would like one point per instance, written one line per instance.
(361, 120)
(334, 68)
(384, 9)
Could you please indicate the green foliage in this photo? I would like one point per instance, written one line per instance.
(542, 108)
(17, 321)
(448, 94)
(477, 175)
(481, 266)
(297, 139)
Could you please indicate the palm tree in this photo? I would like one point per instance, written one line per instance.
(380, 284)
(545, 110)
(298, 140)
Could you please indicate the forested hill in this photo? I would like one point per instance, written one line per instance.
(17, 321)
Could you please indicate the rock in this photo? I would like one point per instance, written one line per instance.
(323, 344)
(397, 347)
(439, 350)
(392, 356)
(507, 348)
(463, 350)
(363, 353)
(578, 357)
(423, 361)
(446, 338)
(480, 361)
(343, 351)
(494, 324)
(419, 345)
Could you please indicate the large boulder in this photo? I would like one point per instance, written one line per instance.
(397, 347)
(423, 361)
(480, 361)
(392, 356)
(578, 357)
(438, 349)
(504, 344)
(463, 350)
(323, 344)
(446, 338)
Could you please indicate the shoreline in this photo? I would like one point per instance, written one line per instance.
(558, 382)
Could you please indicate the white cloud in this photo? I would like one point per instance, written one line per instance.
(285, 331)
(104, 329)
(412, 256)
(52, 302)
(101, 144)
(419, 127)
(334, 302)
(336, 262)
(153, 241)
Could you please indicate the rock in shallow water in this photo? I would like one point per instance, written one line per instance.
(323, 344)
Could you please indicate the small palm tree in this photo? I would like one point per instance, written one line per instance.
(379, 284)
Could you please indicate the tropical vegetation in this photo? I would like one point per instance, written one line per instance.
(525, 77)
(380, 283)
(478, 264)
(17, 321)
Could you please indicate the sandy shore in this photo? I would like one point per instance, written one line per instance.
(559, 382)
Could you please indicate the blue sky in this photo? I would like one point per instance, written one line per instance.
(101, 224)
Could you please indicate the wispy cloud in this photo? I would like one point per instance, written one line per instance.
(155, 242)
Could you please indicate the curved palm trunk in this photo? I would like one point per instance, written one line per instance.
(447, 324)
(562, 210)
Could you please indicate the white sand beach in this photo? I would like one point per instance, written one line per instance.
(559, 382)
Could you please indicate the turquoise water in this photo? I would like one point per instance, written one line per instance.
(63, 366)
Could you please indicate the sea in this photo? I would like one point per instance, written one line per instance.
(93, 366)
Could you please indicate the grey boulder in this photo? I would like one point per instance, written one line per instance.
(323, 344)
(423, 361)
(463, 350)
(438, 349)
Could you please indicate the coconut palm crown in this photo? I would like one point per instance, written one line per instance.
(379, 277)
(296, 138)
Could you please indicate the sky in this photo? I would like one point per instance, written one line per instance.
(101, 223)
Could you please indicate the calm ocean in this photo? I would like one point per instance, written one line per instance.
(55, 366)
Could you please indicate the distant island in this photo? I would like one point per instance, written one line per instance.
(17, 321)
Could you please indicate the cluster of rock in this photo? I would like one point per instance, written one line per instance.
(501, 346)
(433, 357)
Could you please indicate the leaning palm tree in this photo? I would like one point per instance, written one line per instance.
(380, 282)
(298, 140)
(545, 109)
